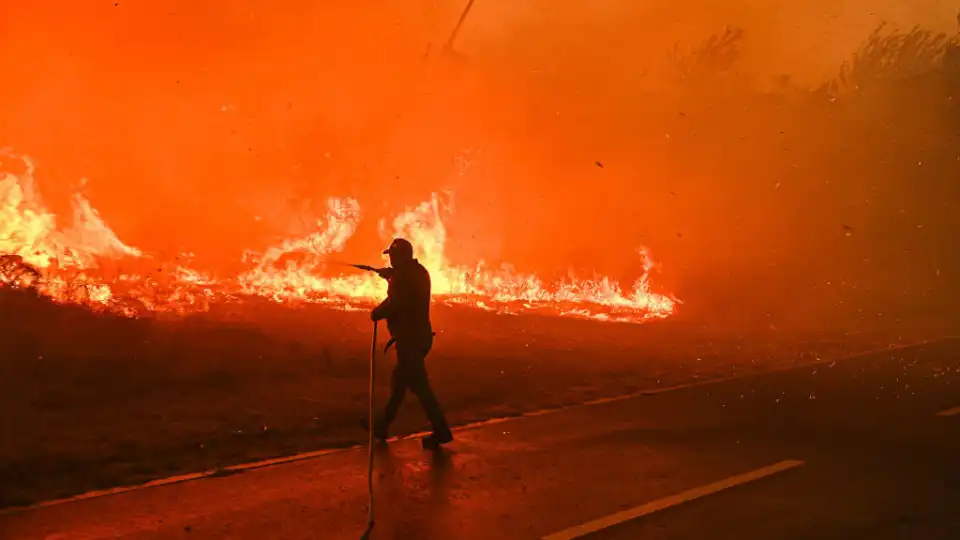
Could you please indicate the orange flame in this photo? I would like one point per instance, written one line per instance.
(27, 229)
(68, 266)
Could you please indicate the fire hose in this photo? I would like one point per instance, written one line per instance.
(370, 443)
(371, 423)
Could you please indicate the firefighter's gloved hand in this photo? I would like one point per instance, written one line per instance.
(376, 315)
(385, 273)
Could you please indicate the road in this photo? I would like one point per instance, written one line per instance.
(851, 449)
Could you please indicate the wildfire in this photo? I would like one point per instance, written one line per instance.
(68, 266)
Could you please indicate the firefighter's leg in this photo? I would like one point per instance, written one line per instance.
(420, 385)
(398, 389)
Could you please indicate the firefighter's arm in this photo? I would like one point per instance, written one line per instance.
(381, 311)
(396, 298)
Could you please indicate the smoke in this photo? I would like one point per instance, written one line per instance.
(569, 133)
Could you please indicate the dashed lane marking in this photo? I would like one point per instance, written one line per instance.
(672, 500)
(949, 412)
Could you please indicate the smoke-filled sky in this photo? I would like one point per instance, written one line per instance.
(223, 125)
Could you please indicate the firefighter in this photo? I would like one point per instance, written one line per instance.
(407, 312)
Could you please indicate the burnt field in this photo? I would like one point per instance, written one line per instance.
(94, 401)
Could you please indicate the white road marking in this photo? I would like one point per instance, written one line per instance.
(949, 412)
(672, 500)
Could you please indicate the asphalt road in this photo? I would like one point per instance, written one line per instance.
(853, 449)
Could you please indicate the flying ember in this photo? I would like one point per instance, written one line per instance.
(76, 264)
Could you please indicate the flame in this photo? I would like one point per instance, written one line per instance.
(27, 229)
(66, 266)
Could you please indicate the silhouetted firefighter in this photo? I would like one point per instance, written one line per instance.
(407, 311)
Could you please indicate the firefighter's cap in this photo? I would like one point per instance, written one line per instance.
(400, 247)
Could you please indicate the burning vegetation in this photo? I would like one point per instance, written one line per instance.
(73, 266)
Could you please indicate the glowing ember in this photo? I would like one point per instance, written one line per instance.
(67, 266)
